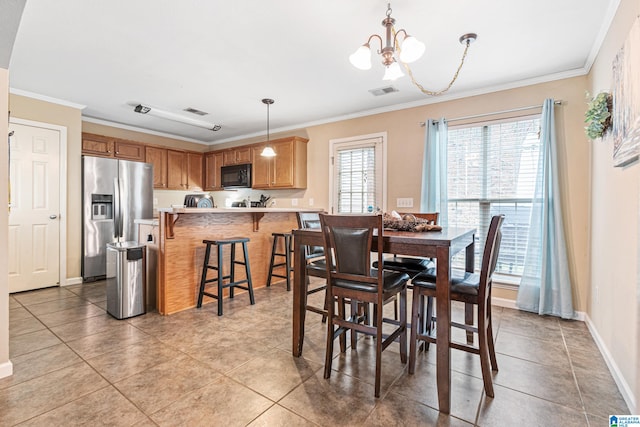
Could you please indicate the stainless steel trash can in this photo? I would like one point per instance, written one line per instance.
(126, 267)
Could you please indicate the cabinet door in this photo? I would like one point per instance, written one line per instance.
(283, 165)
(158, 158)
(229, 157)
(212, 165)
(261, 169)
(176, 170)
(194, 171)
(97, 145)
(129, 150)
(243, 155)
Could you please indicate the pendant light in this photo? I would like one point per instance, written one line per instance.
(268, 150)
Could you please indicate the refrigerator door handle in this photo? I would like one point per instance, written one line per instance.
(117, 213)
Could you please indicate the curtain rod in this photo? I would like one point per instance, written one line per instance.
(513, 110)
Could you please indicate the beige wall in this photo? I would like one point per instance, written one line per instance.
(5, 365)
(613, 304)
(46, 112)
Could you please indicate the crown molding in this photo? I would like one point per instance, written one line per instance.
(602, 33)
(45, 98)
(141, 130)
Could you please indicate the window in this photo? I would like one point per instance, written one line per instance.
(357, 176)
(492, 170)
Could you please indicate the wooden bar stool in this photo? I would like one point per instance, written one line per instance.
(287, 237)
(220, 277)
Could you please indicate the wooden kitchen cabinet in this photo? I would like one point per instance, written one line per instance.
(212, 164)
(158, 158)
(176, 170)
(236, 156)
(97, 145)
(128, 150)
(288, 169)
(106, 146)
(194, 171)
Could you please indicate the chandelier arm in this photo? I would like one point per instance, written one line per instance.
(419, 86)
(372, 36)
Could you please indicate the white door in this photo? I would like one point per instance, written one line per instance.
(34, 218)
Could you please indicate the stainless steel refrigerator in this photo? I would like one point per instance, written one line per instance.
(114, 194)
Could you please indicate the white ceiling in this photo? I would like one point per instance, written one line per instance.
(223, 57)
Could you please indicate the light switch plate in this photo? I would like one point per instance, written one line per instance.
(404, 202)
(294, 202)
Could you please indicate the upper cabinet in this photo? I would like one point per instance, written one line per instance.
(194, 171)
(236, 156)
(105, 146)
(288, 169)
(158, 158)
(212, 164)
(176, 170)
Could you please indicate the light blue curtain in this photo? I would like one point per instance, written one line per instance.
(546, 285)
(433, 197)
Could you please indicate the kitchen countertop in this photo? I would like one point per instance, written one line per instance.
(235, 210)
(153, 221)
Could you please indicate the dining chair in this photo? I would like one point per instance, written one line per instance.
(349, 240)
(315, 260)
(472, 289)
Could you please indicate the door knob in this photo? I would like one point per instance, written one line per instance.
(53, 216)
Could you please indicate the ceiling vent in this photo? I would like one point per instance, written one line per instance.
(195, 111)
(383, 90)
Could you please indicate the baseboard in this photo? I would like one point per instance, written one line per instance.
(72, 281)
(503, 302)
(6, 369)
(623, 386)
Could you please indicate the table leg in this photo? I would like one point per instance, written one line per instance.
(299, 297)
(443, 329)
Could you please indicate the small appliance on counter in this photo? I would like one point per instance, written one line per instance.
(199, 201)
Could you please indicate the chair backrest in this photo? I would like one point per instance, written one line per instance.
(310, 220)
(490, 254)
(432, 217)
(349, 238)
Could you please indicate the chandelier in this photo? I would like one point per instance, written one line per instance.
(408, 51)
(268, 150)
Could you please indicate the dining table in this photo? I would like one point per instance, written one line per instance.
(441, 245)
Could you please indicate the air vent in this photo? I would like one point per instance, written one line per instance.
(195, 111)
(383, 90)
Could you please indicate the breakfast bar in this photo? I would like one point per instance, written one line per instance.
(181, 252)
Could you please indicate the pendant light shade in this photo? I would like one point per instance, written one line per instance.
(268, 150)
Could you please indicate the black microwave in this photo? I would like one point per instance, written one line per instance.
(236, 176)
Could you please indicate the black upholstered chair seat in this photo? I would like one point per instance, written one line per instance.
(391, 279)
(462, 281)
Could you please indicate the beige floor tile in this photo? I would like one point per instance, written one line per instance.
(85, 327)
(70, 315)
(38, 363)
(274, 373)
(92, 292)
(466, 391)
(42, 295)
(32, 341)
(39, 395)
(222, 402)
(512, 408)
(279, 416)
(108, 341)
(397, 410)
(339, 400)
(105, 407)
(19, 312)
(56, 305)
(128, 360)
(13, 303)
(24, 326)
(169, 381)
(596, 402)
(544, 352)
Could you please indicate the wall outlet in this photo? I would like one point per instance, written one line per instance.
(311, 202)
(294, 202)
(273, 202)
(155, 201)
(404, 202)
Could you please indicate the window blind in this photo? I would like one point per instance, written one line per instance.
(492, 170)
(356, 170)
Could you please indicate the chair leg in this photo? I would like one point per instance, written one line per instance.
(247, 270)
(492, 350)
(203, 279)
(403, 322)
(416, 318)
(342, 310)
(354, 316)
(379, 338)
(220, 280)
(232, 264)
(428, 320)
(328, 358)
(273, 256)
(484, 352)
(287, 259)
(468, 320)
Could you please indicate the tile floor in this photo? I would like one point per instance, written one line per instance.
(76, 365)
